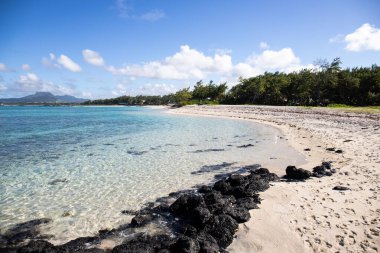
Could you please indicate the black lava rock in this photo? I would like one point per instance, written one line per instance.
(325, 169)
(222, 228)
(186, 245)
(298, 174)
(141, 220)
(341, 188)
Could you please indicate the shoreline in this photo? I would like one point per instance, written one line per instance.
(310, 216)
(281, 223)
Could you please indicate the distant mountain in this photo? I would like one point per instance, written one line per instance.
(44, 97)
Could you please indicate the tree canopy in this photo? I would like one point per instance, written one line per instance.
(327, 84)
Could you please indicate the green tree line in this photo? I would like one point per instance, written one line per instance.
(326, 84)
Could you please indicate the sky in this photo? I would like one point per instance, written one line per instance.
(109, 48)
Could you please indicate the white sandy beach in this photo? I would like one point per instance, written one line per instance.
(310, 216)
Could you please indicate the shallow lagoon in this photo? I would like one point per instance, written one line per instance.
(81, 166)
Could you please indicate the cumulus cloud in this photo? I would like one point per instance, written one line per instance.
(28, 78)
(50, 62)
(185, 64)
(3, 67)
(337, 38)
(120, 89)
(26, 67)
(3, 87)
(69, 64)
(366, 37)
(31, 83)
(153, 15)
(62, 61)
(156, 89)
(283, 60)
(86, 94)
(264, 45)
(270, 59)
(92, 57)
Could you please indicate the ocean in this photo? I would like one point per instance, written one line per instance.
(81, 166)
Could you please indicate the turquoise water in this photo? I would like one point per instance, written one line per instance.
(80, 166)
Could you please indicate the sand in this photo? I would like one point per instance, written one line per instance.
(310, 216)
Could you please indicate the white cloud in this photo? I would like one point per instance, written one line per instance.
(156, 89)
(366, 37)
(190, 64)
(92, 57)
(3, 67)
(270, 59)
(126, 10)
(264, 45)
(86, 94)
(153, 15)
(185, 64)
(246, 70)
(32, 83)
(283, 60)
(3, 87)
(123, 9)
(69, 64)
(222, 51)
(50, 62)
(29, 78)
(120, 89)
(26, 67)
(337, 38)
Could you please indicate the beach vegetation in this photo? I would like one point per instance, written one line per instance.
(327, 84)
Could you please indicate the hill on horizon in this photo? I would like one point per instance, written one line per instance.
(44, 97)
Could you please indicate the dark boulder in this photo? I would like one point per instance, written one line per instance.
(236, 180)
(38, 246)
(78, 244)
(265, 174)
(186, 245)
(186, 203)
(327, 165)
(319, 170)
(145, 244)
(341, 188)
(190, 231)
(161, 208)
(240, 214)
(222, 228)
(223, 186)
(325, 169)
(141, 220)
(191, 208)
(207, 243)
(205, 189)
(248, 202)
(213, 197)
(298, 174)
(199, 216)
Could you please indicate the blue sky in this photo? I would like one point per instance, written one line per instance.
(108, 48)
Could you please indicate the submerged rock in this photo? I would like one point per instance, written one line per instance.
(59, 180)
(246, 146)
(203, 220)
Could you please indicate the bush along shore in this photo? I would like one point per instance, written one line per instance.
(326, 84)
(200, 220)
